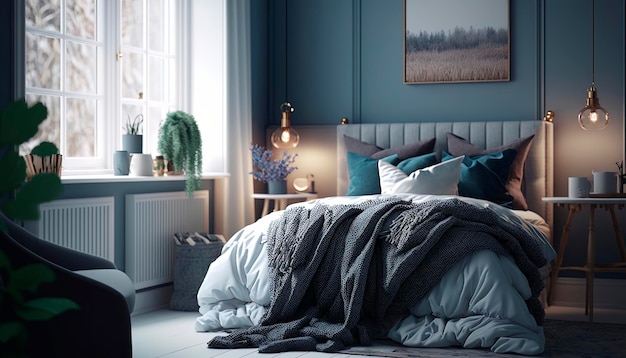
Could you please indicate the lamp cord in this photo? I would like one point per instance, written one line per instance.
(286, 56)
(593, 41)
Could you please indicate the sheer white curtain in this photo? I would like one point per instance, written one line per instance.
(236, 208)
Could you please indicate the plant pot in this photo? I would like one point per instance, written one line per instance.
(132, 143)
(277, 187)
(121, 162)
(48, 164)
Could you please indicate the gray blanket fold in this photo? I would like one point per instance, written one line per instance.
(340, 274)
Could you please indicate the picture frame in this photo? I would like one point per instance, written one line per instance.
(449, 41)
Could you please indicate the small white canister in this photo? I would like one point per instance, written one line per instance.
(578, 187)
(604, 182)
(141, 165)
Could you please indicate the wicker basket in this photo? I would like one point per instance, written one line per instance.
(190, 267)
(48, 164)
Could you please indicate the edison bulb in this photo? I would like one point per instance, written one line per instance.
(593, 116)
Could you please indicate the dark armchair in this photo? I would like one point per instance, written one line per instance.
(101, 326)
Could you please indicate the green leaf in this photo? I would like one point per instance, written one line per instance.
(19, 123)
(41, 309)
(28, 278)
(13, 169)
(11, 330)
(45, 149)
(5, 263)
(40, 189)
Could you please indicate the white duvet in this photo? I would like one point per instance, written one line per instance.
(480, 302)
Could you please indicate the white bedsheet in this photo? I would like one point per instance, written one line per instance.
(478, 303)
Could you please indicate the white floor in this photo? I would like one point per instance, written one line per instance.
(170, 334)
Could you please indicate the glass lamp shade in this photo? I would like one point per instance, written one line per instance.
(593, 116)
(285, 136)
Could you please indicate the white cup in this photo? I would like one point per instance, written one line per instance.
(578, 187)
(604, 182)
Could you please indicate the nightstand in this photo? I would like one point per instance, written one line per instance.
(575, 205)
(280, 200)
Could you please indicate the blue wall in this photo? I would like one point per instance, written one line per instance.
(345, 59)
(7, 34)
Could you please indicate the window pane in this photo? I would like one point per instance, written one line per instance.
(81, 68)
(50, 128)
(157, 79)
(43, 68)
(156, 115)
(131, 111)
(132, 75)
(81, 18)
(173, 81)
(43, 14)
(132, 22)
(80, 127)
(156, 25)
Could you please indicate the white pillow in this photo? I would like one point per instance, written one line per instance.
(438, 179)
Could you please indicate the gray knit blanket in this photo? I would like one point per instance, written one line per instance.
(341, 275)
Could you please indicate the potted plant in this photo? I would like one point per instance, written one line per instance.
(181, 145)
(272, 171)
(132, 141)
(20, 199)
(44, 158)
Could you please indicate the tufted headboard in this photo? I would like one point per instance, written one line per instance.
(538, 172)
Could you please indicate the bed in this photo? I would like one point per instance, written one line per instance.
(453, 253)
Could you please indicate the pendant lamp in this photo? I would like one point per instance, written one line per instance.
(593, 116)
(285, 136)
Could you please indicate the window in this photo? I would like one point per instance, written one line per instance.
(94, 64)
(148, 64)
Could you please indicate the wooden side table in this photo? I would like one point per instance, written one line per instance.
(280, 200)
(576, 205)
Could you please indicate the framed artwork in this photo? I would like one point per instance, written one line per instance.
(456, 41)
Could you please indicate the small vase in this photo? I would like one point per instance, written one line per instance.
(277, 187)
(132, 143)
(121, 162)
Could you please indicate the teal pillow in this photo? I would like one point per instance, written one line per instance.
(364, 173)
(485, 176)
(412, 164)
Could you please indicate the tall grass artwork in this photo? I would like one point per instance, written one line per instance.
(456, 41)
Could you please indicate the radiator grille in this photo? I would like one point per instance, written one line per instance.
(85, 225)
(151, 220)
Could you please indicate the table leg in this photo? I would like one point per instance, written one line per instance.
(266, 206)
(618, 234)
(559, 257)
(591, 264)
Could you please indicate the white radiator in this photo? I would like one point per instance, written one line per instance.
(85, 224)
(151, 221)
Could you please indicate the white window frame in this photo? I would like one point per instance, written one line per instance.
(109, 131)
(100, 147)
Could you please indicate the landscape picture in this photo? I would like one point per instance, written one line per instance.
(456, 41)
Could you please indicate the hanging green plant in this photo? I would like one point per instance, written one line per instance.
(181, 144)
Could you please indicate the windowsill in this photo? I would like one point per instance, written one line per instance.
(110, 178)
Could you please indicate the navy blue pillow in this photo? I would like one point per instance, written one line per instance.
(485, 176)
(412, 164)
